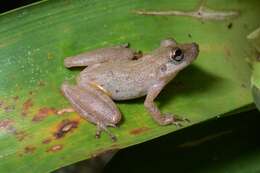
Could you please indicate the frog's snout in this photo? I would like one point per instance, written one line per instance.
(195, 49)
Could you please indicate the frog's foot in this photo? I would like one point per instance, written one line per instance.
(173, 119)
(177, 118)
(102, 127)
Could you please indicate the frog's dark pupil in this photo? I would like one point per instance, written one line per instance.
(178, 55)
(178, 52)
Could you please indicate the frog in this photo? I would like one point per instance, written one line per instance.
(119, 73)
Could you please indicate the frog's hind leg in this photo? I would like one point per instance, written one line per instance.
(100, 55)
(93, 105)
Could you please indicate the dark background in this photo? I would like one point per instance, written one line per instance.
(7, 5)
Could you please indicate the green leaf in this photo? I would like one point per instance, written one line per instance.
(256, 84)
(254, 38)
(35, 40)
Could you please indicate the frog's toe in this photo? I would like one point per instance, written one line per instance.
(177, 124)
(174, 119)
(177, 118)
(102, 127)
(111, 125)
(186, 120)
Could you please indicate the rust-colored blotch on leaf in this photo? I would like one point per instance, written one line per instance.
(64, 127)
(20, 135)
(26, 106)
(139, 131)
(54, 148)
(5, 124)
(43, 113)
(47, 141)
(29, 149)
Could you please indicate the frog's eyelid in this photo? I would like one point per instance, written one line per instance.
(171, 54)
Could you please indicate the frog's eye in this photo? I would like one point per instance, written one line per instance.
(177, 55)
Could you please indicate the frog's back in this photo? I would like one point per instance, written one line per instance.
(122, 80)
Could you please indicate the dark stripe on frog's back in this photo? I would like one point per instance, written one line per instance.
(123, 81)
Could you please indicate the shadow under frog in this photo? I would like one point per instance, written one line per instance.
(120, 73)
(191, 80)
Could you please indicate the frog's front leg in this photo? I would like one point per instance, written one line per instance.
(93, 105)
(162, 119)
(101, 55)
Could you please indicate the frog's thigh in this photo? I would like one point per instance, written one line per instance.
(93, 105)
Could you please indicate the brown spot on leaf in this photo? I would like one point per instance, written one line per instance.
(64, 127)
(9, 108)
(26, 106)
(5, 124)
(47, 141)
(54, 148)
(16, 98)
(41, 83)
(43, 113)
(227, 51)
(8, 126)
(1, 103)
(29, 149)
(20, 135)
(20, 154)
(139, 131)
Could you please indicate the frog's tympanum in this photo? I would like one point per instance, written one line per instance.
(119, 73)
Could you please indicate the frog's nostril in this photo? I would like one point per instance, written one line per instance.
(196, 46)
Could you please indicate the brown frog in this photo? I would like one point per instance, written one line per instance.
(119, 73)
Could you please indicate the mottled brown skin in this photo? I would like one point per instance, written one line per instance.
(113, 74)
